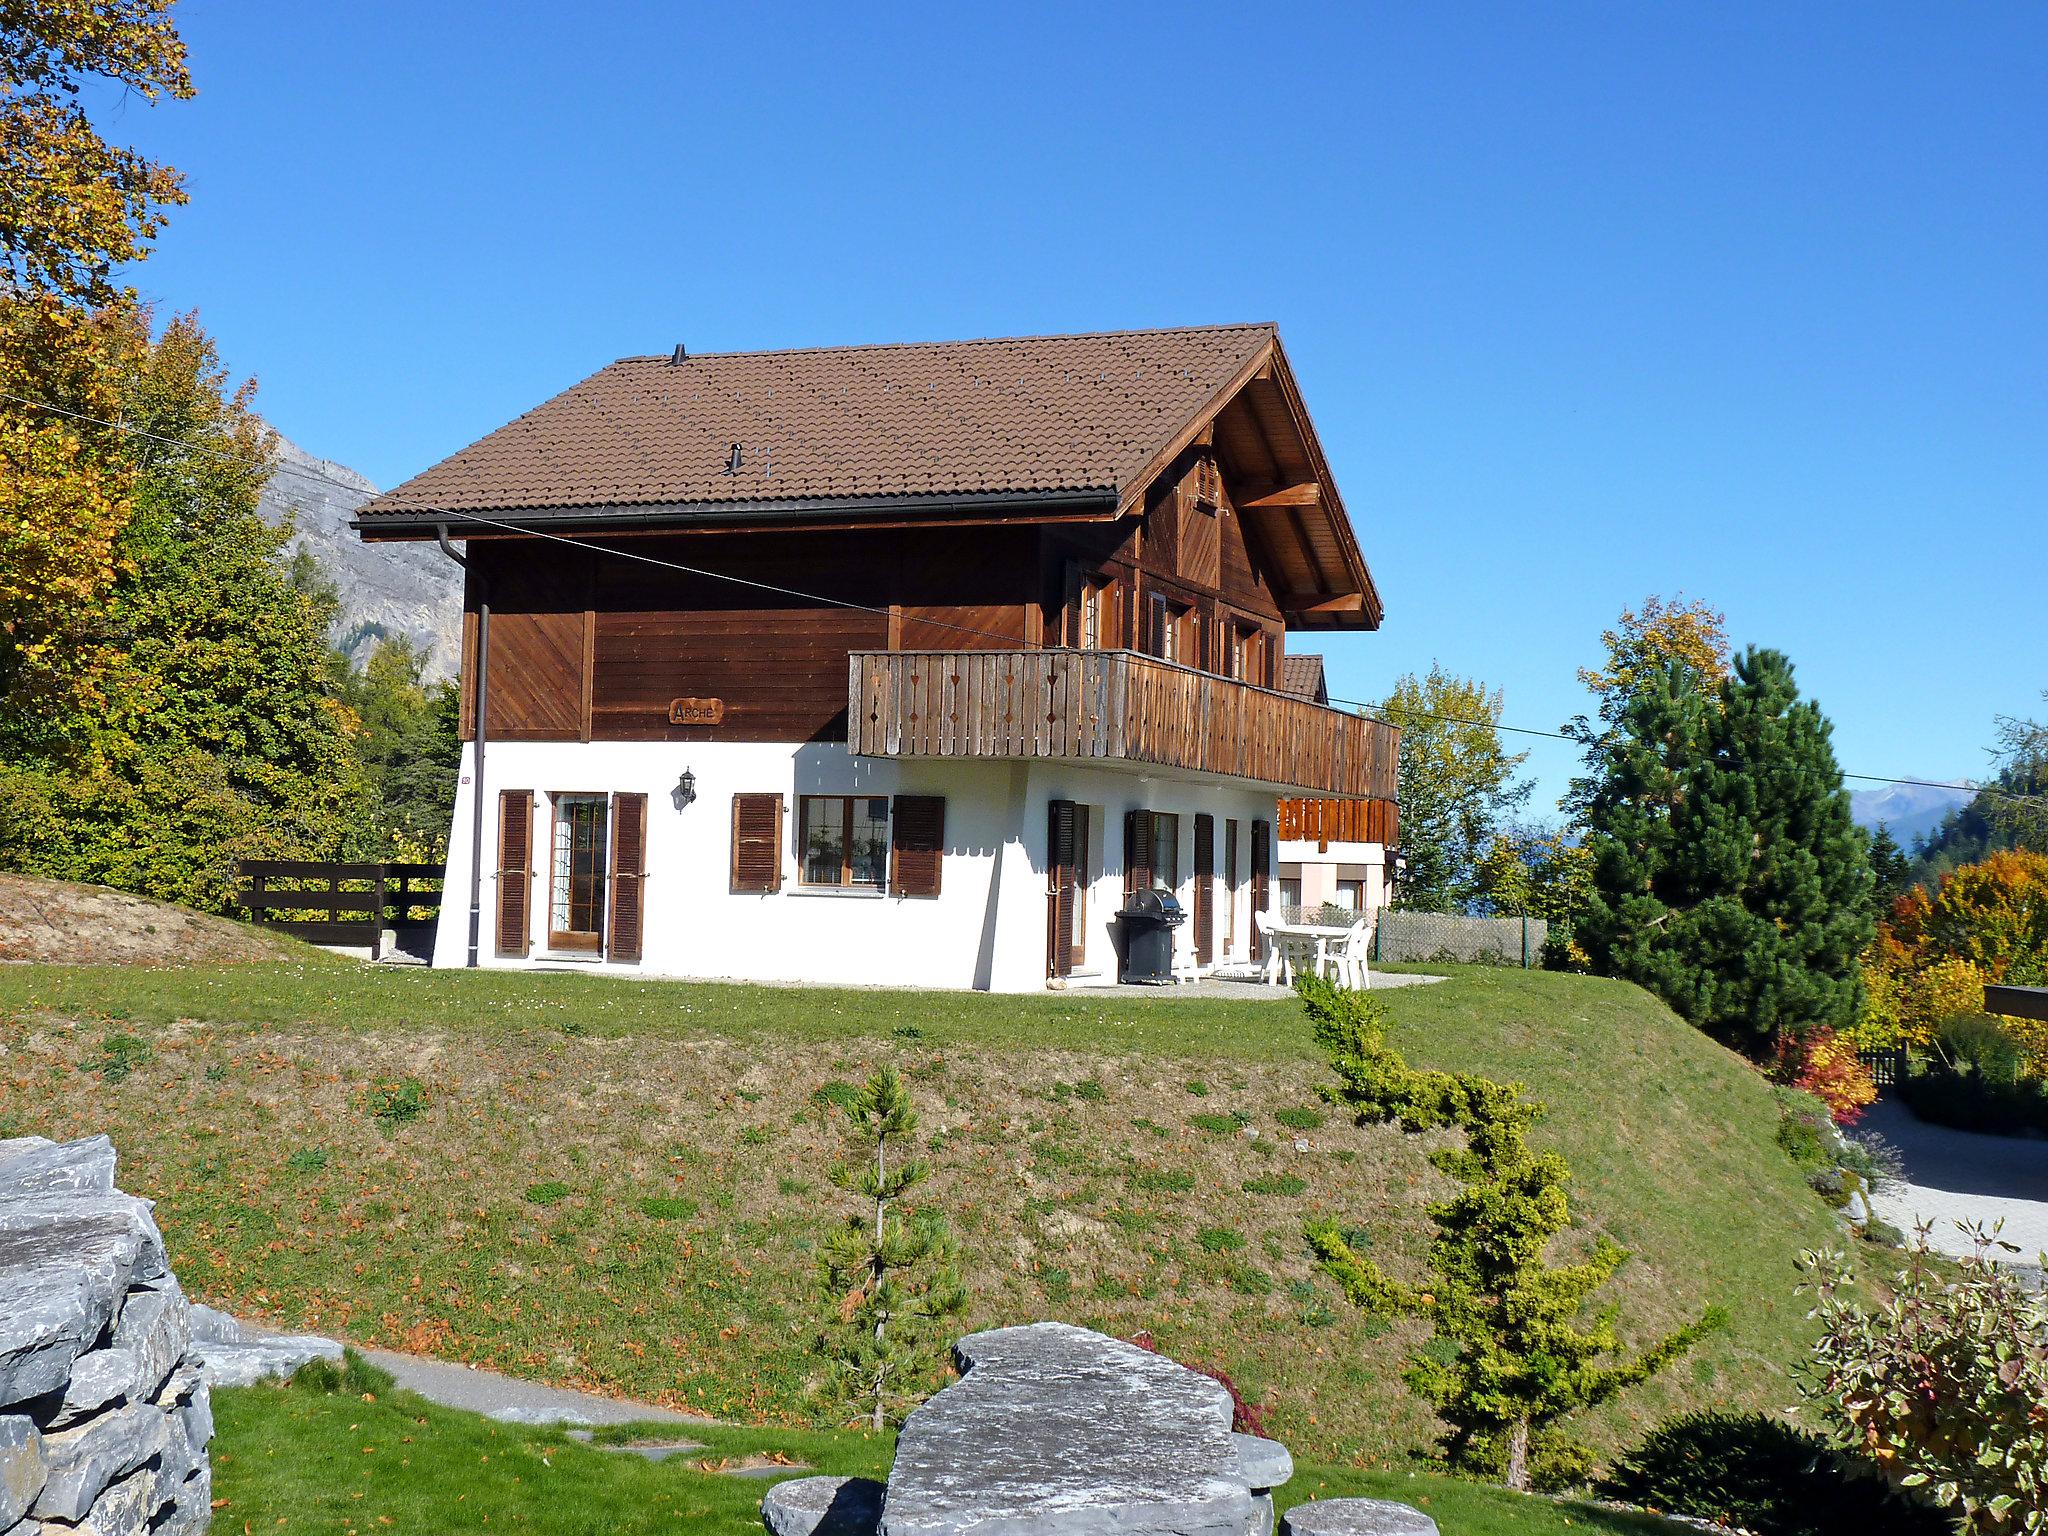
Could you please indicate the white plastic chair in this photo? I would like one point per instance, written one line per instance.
(1274, 967)
(1348, 955)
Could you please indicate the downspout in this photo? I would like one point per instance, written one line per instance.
(483, 666)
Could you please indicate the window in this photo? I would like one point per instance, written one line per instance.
(1351, 895)
(1165, 851)
(1247, 658)
(577, 869)
(845, 840)
(1230, 885)
(1290, 894)
(1089, 621)
(1173, 631)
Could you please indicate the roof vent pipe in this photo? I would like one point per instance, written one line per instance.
(679, 356)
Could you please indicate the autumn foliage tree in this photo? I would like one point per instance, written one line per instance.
(1457, 786)
(164, 700)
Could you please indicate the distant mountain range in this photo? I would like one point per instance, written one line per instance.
(386, 589)
(1911, 811)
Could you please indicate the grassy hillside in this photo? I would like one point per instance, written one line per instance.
(620, 1185)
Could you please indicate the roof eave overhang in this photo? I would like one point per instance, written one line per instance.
(1270, 360)
(1063, 505)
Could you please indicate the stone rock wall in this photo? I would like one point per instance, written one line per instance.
(104, 1418)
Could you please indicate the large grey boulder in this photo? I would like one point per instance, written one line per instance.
(123, 1509)
(1263, 1464)
(22, 1468)
(29, 1165)
(233, 1355)
(271, 1359)
(1059, 1430)
(86, 1459)
(1356, 1517)
(65, 1264)
(823, 1506)
(150, 1337)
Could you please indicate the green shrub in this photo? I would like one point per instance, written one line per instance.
(1275, 1184)
(1220, 1239)
(119, 1056)
(552, 1192)
(1976, 1079)
(1759, 1474)
(654, 1207)
(837, 1092)
(1303, 1119)
(1942, 1383)
(353, 1376)
(392, 1104)
(1803, 1142)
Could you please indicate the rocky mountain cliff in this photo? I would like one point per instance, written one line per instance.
(386, 589)
(1911, 811)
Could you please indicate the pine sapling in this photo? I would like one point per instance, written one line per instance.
(892, 1279)
(1514, 1353)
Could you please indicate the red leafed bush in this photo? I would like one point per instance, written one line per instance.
(1824, 1064)
(1246, 1418)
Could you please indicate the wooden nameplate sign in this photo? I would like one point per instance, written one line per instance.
(696, 711)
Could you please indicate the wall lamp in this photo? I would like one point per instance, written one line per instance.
(685, 790)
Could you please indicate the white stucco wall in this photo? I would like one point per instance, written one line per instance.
(985, 929)
(1319, 869)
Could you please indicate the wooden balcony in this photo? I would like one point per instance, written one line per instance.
(1324, 822)
(1110, 707)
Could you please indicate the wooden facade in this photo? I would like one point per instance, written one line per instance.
(1148, 637)
(1112, 707)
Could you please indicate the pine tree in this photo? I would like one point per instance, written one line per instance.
(1728, 876)
(892, 1281)
(1514, 1354)
(1891, 872)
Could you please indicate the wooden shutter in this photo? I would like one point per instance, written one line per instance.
(629, 875)
(1137, 852)
(1205, 894)
(515, 871)
(1262, 861)
(757, 842)
(1230, 883)
(1061, 880)
(917, 844)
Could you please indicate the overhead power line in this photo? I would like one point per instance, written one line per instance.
(454, 515)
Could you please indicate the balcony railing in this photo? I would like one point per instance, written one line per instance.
(1324, 822)
(1110, 707)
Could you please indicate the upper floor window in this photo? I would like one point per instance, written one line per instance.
(845, 840)
(1172, 636)
(1090, 620)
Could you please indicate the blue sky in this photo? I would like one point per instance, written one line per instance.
(1588, 302)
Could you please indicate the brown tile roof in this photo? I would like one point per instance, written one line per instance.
(1302, 676)
(1065, 417)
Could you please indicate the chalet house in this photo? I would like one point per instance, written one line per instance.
(903, 665)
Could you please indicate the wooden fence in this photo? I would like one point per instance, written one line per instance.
(344, 905)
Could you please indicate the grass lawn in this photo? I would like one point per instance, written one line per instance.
(620, 1185)
(306, 1460)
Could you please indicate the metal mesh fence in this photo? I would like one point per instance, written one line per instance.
(1427, 936)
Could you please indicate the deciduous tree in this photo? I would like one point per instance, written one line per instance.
(76, 207)
(1457, 785)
